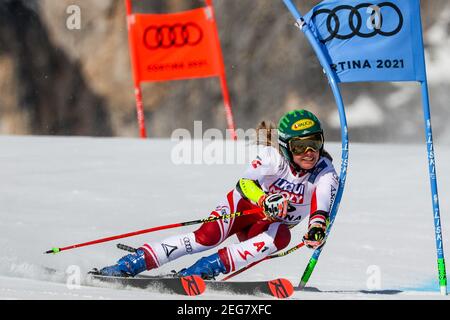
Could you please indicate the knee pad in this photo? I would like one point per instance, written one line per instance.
(208, 235)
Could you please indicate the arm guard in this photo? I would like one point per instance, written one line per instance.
(319, 216)
(250, 190)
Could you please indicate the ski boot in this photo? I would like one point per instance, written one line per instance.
(128, 266)
(207, 267)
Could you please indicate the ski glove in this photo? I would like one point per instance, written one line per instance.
(274, 205)
(317, 228)
(315, 236)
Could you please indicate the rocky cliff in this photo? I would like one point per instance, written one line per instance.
(59, 80)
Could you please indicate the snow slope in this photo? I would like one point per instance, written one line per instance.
(57, 191)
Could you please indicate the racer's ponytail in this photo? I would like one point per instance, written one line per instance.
(266, 133)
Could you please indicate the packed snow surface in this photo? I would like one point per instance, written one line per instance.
(58, 191)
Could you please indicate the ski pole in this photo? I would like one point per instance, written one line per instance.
(169, 226)
(125, 247)
(278, 255)
(333, 82)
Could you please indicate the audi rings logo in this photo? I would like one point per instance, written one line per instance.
(356, 21)
(187, 244)
(172, 36)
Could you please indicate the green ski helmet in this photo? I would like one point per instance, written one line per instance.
(297, 123)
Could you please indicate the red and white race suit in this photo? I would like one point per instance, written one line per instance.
(308, 192)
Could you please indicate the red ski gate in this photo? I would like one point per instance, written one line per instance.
(175, 46)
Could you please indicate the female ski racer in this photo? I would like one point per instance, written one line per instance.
(295, 182)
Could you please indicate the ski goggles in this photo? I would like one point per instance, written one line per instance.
(299, 145)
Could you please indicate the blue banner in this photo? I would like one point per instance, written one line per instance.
(376, 41)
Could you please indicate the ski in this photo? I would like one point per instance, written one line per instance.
(278, 288)
(190, 286)
(195, 285)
